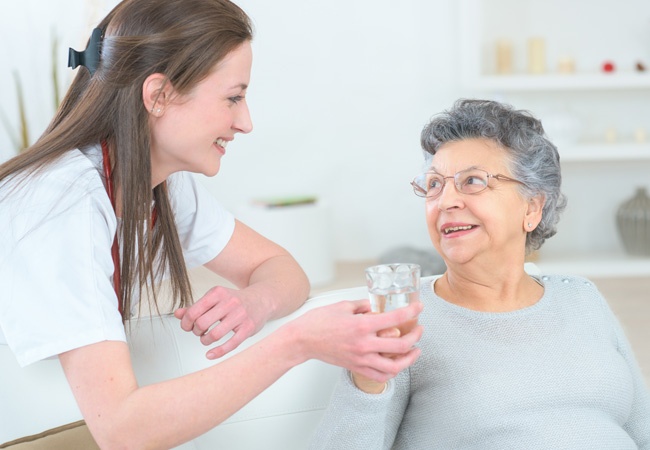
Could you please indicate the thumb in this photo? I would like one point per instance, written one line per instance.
(179, 313)
(389, 333)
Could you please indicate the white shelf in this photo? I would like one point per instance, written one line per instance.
(597, 152)
(477, 76)
(561, 82)
(596, 266)
(477, 34)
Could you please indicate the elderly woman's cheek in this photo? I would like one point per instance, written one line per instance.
(431, 213)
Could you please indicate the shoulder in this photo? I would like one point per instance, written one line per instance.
(77, 168)
(576, 296)
(72, 173)
(569, 285)
(70, 185)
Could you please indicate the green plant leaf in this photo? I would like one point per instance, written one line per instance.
(55, 71)
(22, 114)
(10, 130)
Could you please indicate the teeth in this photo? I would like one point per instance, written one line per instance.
(452, 229)
(222, 143)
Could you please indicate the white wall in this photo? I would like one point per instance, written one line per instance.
(339, 93)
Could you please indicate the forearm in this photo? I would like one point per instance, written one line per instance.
(266, 273)
(355, 419)
(208, 397)
(280, 285)
(165, 414)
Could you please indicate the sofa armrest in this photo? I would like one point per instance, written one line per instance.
(37, 398)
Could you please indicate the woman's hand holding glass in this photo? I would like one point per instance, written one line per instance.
(343, 334)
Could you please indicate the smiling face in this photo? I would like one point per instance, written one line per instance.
(488, 226)
(190, 132)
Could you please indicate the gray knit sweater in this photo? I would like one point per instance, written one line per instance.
(557, 375)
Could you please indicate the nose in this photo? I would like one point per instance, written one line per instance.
(449, 197)
(243, 123)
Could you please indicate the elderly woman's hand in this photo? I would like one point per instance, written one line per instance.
(369, 385)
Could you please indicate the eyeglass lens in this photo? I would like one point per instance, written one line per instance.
(470, 181)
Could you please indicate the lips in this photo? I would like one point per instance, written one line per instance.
(449, 228)
(221, 142)
(221, 145)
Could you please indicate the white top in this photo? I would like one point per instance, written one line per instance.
(55, 254)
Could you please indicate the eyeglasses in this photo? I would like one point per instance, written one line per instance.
(468, 181)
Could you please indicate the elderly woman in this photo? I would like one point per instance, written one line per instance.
(509, 360)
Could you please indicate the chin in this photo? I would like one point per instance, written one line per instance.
(457, 255)
(210, 170)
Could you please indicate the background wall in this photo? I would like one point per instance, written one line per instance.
(339, 93)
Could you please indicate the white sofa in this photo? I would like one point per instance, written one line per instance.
(283, 417)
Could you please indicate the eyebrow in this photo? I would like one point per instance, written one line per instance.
(433, 169)
(242, 86)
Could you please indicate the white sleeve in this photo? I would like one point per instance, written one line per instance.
(56, 268)
(204, 226)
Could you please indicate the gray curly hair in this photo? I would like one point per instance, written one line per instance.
(533, 159)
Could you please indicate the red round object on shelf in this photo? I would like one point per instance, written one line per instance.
(608, 66)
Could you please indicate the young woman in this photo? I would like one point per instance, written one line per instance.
(102, 207)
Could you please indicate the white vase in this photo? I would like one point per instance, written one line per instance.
(633, 221)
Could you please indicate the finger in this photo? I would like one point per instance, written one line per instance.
(226, 347)
(395, 346)
(389, 333)
(381, 368)
(235, 319)
(179, 313)
(227, 310)
(415, 333)
(193, 313)
(219, 330)
(396, 363)
(360, 306)
(212, 318)
(396, 317)
(408, 359)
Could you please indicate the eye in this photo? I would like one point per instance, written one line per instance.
(472, 182)
(434, 182)
(475, 180)
(236, 99)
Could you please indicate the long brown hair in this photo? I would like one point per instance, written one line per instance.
(182, 39)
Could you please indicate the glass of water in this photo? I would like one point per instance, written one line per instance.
(392, 286)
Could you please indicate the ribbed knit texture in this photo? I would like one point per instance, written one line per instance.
(557, 375)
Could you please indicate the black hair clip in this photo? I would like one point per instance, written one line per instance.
(89, 58)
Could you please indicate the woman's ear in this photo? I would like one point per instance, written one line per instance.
(534, 213)
(156, 93)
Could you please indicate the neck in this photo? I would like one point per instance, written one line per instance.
(489, 292)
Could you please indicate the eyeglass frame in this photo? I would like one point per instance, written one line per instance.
(420, 192)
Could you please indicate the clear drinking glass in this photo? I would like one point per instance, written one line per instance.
(392, 286)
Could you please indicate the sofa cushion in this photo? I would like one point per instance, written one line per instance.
(73, 436)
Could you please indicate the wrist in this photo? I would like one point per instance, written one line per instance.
(367, 385)
(293, 342)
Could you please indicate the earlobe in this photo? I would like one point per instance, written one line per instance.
(156, 91)
(533, 213)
